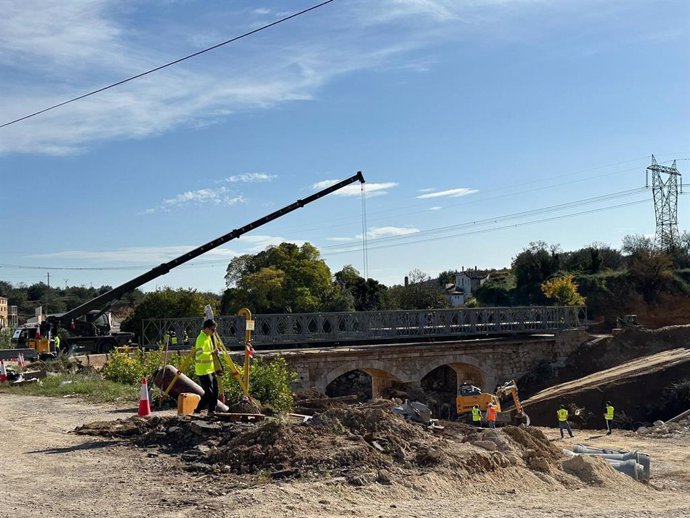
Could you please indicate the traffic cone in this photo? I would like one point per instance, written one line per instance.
(144, 404)
(3, 372)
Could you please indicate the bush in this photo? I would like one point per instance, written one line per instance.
(269, 382)
(5, 338)
(130, 368)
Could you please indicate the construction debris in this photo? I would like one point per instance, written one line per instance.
(361, 445)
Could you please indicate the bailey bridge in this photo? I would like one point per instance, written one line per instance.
(483, 346)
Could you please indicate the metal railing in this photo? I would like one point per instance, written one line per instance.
(303, 329)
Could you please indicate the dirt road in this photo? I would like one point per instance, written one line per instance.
(47, 471)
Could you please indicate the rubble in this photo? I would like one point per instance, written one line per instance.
(670, 429)
(361, 445)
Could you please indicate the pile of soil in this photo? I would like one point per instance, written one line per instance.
(360, 444)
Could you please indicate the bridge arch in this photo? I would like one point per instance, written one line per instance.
(382, 374)
(466, 369)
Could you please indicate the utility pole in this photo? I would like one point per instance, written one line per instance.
(45, 309)
(665, 194)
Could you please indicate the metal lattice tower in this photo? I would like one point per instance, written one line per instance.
(665, 195)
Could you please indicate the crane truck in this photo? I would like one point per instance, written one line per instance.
(88, 328)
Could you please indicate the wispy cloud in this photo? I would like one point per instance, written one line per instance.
(136, 255)
(449, 193)
(371, 189)
(378, 232)
(53, 50)
(219, 196)
(437, 207)
(251, 178)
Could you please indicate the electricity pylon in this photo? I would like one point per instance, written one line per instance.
(665, 195)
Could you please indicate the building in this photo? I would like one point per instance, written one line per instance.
(3, 312)
(466, 283)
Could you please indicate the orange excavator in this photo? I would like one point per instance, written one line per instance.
(469, 395)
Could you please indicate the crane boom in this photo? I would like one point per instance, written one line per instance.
(104, 300)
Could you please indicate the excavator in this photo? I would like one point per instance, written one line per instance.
(87, 328)
(469, 395)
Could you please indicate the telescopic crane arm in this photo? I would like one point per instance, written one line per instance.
(104, 301)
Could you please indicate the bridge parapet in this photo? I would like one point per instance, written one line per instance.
(301, 329)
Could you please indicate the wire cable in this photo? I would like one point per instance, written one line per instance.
(171, 63)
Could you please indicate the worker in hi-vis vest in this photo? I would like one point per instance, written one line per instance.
(56, 342)
(204, 368)
(608, 417)
(476, 416)
(491, 415)
(562, 414)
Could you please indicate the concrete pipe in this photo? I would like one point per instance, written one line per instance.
(165, 376)
(641, 458)
(628, 467)
(581, 448)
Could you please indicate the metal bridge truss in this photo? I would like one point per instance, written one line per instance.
(291, 330)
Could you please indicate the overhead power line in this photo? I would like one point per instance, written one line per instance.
(410, 237)
(171, 63)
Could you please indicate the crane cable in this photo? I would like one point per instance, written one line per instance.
(364, 233)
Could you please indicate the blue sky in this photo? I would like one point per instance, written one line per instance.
(468, 118)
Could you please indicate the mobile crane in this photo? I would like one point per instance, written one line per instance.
(87, 327)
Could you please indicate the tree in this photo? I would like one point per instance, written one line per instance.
(563, 290)
(367, 295)
(533, 266)
(167, 303)
(283, 278)
(420, 293)
(649, 267)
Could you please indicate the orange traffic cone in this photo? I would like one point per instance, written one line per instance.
(3, 372)
(144, 404)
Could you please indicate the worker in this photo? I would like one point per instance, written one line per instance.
(608, 417)
(491, 415)
(173, 338)
(562, 414)
(56, 342)
(204, 369)
(476, 416)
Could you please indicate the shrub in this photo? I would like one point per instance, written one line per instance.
(269, 382)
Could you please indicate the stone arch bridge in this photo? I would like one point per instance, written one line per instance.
(482, 362)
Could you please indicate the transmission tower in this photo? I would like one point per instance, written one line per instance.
(665, 193)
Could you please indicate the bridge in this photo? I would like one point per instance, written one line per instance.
(428, 349)
(290, 330)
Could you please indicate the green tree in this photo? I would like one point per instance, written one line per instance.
(283, 278)
(367, 295)
(421, 292)
(531, 267)
(649, 268)
(563, 291)
(167, 303)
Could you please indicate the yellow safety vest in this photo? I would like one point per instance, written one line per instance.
(476, 414)
(173, 340)
(562, 414)
(203, 355)
(56, 341)
(609, 413)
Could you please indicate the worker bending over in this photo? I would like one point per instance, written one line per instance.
(204, 368)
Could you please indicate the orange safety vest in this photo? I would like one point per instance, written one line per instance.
(491, 413)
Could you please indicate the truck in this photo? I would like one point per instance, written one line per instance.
(88, 327)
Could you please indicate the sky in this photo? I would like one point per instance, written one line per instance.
(479, 125)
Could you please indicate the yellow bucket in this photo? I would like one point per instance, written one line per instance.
(187, 403)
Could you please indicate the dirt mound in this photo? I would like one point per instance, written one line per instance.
(591, 470)
(361, 444)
